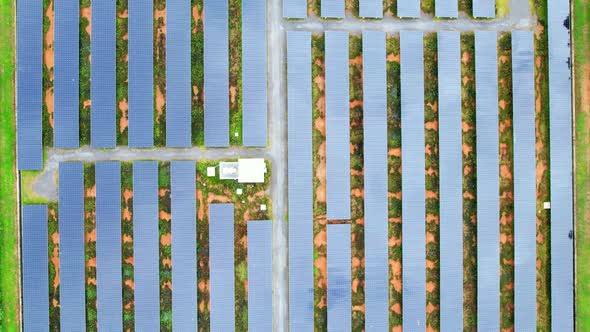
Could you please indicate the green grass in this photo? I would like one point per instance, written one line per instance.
(9, 265)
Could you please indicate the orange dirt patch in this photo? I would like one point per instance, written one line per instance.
(87, 103)
(467, 149)
(232, 94)
(202, 286)
(396, 152)
(466, 57)
(430, 308)
(430, 286)
(320, 173)
(504, 58)
(126, 214)
(130, 284)
(431, 125)
(397, 308)
(217, 198)
(130, 260)
(355, 285)
(48, 58)
(356, 262)
(124, 121)
(394, 241)
(393, 58)
(91, 237)
(320, 124)
(356, 61)
(167, 284)
(167, 262)
(201, 211)
(356, 103)
(127, 195)
(357, 193)
(320, 239)
(91, 192)
(196, 14)
(127, 239)
(165, 216)
(244, 240)
(91, 281)
(160, 102)
(202, 306)
(359, 308)
(322, 265)
(323, 303)
(505, 172)
(123, 14)
(166, 239)
(86, 13)
(320, 81)
(396, 267)
(431, 194)
(430, 264)
(55, 261)
(430, 238)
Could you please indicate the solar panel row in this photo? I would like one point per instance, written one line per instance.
(339, 278)
(488, 208)
(332, 8)
(294, 8)
(337, 126)
(259, 276)
(408, 8)
(413, 180)
(103, 72)
(184, 245)
(221, 267)
(108, 245)
(29, 34)
(72, 290)
(375, 168)
(484, 8)
(446, 8)
(35, 268)
(301, 292)
(254, 113)
(451, 180)
(371, 8)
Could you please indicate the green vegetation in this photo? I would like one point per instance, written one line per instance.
(84, 76)
(159, 73)
(47, 72)
(235, 72)
(27, 194)
(90, 245)
(122, 70)
(197, 74)
(502, 8)
(53, 252)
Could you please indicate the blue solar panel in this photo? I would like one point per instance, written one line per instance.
(103, 85)
(141, 74)
(339, 279)
(254, 112)
(72, 299)
(178, 74)
(332, 8)
(451, 181)
(371, 8)
(29, 34)
(35, 268)
(108, 246)
(484, 8)
(525, 228)
(375, 161)
(488, 202)
(446, 8)
(216, 74)
(300, 192)
(221, 267)
(259, 276)
(560, 122)
(184, 245)
(408, 8)
(337, 126)
(294, 8)
(146, 246)
(413, 180)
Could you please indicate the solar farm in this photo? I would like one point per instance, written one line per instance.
(295, 165)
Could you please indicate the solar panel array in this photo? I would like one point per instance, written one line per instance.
(337, 126)
(259, 276)
(408, 8)
(488, 202)
(332, 8)
(294, 8)
(254, 112)
(413, 180)
(301, 292)
(108, 245)
(371, 8)
(103, 76)
(375, 169)
(178, 73)
(146, 246)
(446, 8)
(216, 73)
(339, 278)
(221, 267)
(66, 81)
(72, 287)
(141, 74)
(184, 245)
(560, 126)
(29, 53)
(35, 267)
(484, 8)
(451, 180)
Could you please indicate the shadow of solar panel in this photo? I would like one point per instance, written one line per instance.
(294, 8)
(66, 81)
(146, 246)
(371, 8)
(260, 276)
(300, 193)
(339, 278)
(35, 268)
(408, 8)
(446, 8)
(184, 245)
(108, 246)
(141, 74)
(484, 8)
(254, 72)
(103, 86)
(216, 74)
(72, 291)
(221, 267)
(337, 126)
(332, 8)
(29, 28)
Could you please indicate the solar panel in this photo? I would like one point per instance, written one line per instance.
(337, 126)
(178, 74)
(339, 278)
(451, 180)
(184, 245)
(146, 248)
(408, 8)
(301, 292)
(216, 74)
(108, 246)
(141, 74)
(332, 8)
(254, 113)
(525, 217)
(260, 276)
(446, 8)
(66, 81)
(413, 180)
(103, 81)
(488, 203)
(484, 8)
(29, 29)
(221, 267)
(72, 287)
(371, 8)
(560, 123)
(35, 268)
(375, 161)
(294, 8)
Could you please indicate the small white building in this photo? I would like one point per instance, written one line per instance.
(244, 170)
